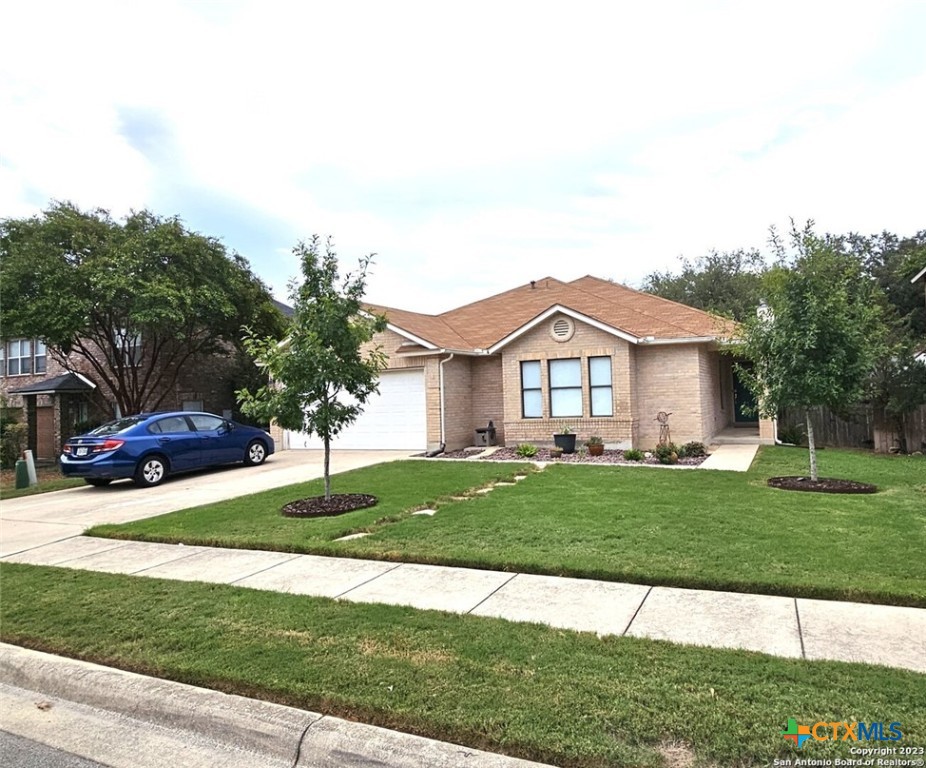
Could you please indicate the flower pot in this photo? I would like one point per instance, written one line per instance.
(596, 449)
(556, 453)
(566, 442)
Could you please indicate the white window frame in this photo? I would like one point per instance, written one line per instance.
(19, 357)
(575, 362)
(600, 387)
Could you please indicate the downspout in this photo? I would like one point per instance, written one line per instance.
(443, 432)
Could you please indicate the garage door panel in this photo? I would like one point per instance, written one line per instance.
(396, 418)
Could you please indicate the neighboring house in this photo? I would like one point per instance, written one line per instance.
(58, 397)
(591, 355)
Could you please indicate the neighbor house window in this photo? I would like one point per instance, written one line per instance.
(531, 395)
(599, 382)
(2, 359)
(19, 357)
(40, 356)
(130, 346)
(565, 388)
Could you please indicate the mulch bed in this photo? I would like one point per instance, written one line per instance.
(820, 485)
(543, 454)
(338, 504)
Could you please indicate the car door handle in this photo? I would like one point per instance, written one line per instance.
(163, 440)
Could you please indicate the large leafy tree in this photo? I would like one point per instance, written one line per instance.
(326, 369)
(727, 283)
(134, 301)
(816, 341)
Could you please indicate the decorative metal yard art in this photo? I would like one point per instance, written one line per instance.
(664, 436)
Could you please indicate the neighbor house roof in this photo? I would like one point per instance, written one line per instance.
(65, 383)
(488, 324)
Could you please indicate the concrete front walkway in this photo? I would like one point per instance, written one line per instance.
(733, 458)
(781, 626)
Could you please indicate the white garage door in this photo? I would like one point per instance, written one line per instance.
(396, 418)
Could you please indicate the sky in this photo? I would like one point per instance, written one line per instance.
(473, 146)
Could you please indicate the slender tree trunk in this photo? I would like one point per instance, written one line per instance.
(812, 447)
(327, 468)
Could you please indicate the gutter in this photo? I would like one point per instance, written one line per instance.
(443, 420)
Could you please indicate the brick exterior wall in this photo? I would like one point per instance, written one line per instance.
(209, 379)
(488, 394)
(586, 342)
(691, 381)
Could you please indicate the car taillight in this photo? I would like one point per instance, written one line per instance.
(109, 445)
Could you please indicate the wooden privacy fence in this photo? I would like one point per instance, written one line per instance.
(863, 427)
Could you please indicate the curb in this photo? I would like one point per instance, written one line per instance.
(285, 735)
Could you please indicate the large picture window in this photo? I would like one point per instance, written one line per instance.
(531, 396)
(565, 388)
(599, 382)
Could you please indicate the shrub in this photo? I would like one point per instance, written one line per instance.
(667, 454)
(694, 449)
(793, 434)
(12, 443)
(633, 455)
(594, 440)
(526, 450)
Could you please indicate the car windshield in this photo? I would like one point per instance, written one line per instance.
(117, 426)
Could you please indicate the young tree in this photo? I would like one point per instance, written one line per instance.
(322, 374)
(135, 301)
(816, 341)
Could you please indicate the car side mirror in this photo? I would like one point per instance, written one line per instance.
(229, 426)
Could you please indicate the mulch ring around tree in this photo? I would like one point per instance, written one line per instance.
(338, 504)
(820, 485)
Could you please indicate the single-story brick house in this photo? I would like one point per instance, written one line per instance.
(591, 355)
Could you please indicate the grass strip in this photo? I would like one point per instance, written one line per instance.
(556, 696)
(255, 522)
(686, 528)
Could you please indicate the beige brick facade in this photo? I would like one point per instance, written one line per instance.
(691, 381)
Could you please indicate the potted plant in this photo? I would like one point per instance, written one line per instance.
(595, 446)
(565, 439)
(556, 453)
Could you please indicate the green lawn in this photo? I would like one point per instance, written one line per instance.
(688, 528)
(50, 479)
(555, 696)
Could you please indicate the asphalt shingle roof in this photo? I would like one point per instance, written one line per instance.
(484, 323)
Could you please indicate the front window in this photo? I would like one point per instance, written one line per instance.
(599, 383)
(565, 388)
(531, 396)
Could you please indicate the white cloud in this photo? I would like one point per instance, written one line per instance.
(696, 125)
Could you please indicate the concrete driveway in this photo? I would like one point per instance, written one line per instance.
(36, 520)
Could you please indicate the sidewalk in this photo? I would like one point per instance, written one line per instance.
(781, 626)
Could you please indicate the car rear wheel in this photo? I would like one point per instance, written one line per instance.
(255, 453)
(150, 471)
(97, 481)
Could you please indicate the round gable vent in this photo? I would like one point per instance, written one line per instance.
(562, 329)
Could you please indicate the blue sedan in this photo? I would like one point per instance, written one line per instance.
(150, 446)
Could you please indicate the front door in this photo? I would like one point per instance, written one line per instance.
(744, 402)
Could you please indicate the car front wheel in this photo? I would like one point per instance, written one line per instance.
(255, 453)
(150, 471)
